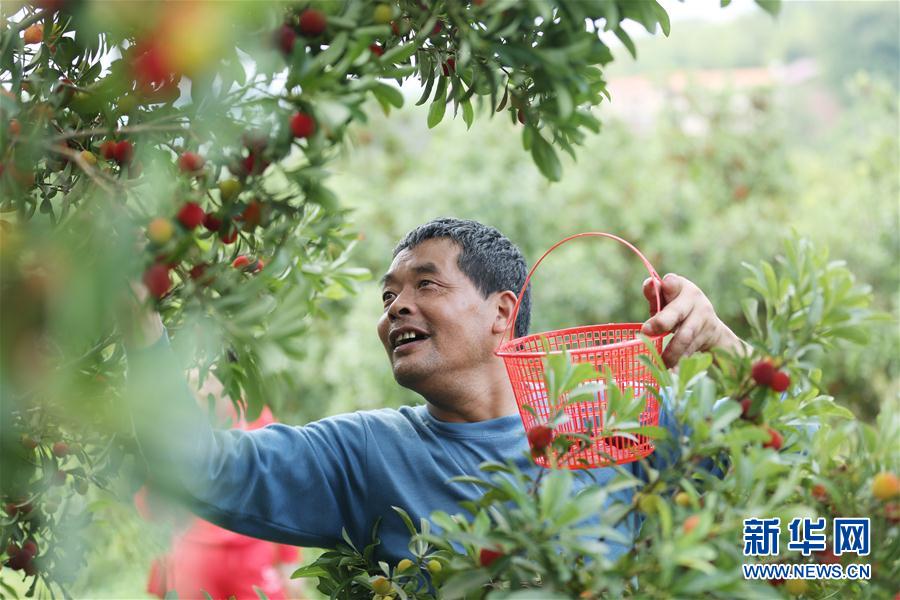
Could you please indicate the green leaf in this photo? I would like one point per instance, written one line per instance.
(388, 94)
(626, 40)
(311, 570)
(399, 54)
(773, 7)
(439, 105)
(468, 113)
(545, 158)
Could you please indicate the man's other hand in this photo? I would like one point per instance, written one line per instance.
(689, 315)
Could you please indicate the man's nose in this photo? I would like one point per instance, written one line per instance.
(402, 305)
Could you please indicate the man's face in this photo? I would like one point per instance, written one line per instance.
(436, 325)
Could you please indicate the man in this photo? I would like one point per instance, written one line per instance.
(448, 296)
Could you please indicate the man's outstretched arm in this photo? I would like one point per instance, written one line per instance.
(294, 485)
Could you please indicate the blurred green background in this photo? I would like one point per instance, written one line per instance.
(789, 125)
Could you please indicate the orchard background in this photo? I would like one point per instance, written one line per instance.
(255, 176)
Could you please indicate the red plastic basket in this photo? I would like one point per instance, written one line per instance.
(613, 345)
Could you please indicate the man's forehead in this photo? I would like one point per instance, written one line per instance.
(431, 257)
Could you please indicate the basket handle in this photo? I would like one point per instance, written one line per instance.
(511, 323)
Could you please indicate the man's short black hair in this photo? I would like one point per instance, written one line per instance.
(487, 257)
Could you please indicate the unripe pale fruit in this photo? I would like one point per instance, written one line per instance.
(382, 14)
(796, 587)
(762, 371)
(160, 231)
(302, 125)
(312, 22)
(81, 486)
(691, 523)
(404, 565)
(885, 486)
(434, 566)
(647, 503)
(229, 189)
(381, 586)
(191, 215)
(89, 157)
(682, 499)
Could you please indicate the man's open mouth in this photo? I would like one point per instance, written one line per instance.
(409, 338)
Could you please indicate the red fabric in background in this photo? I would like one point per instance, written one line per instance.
(208, 558)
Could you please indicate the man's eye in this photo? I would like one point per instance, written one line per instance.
(425, 281)
(385, 297)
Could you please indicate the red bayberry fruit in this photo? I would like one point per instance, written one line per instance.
(376, 49)
(539, 437)
(12, 549)
(252, 215)
(190, 162)
(157, 280)
(762, 371)
(775, 439)
(438, 26)
(302, 125)
(312, 22)
(521, 116)
(212, 222)
(11, 509)
(18, 562)
(241, 262)
(228, 234)
(191, 215)
(29, 442)
(487, 557)
(780, 381)
(60, 449)
(746, 403)
(124, 152)
(30, 568)
(108, 150)
(691, 523)
(197, 271)
(819, 492)
(449, 66)
(285, 38)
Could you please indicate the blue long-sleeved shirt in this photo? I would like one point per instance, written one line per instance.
(302, 485)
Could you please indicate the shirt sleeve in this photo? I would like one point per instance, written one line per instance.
(293, 485)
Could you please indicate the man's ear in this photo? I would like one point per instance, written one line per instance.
(505, 303)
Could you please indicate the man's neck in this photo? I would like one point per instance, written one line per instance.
(473, 398)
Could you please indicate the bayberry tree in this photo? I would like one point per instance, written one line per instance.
(135, 150)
